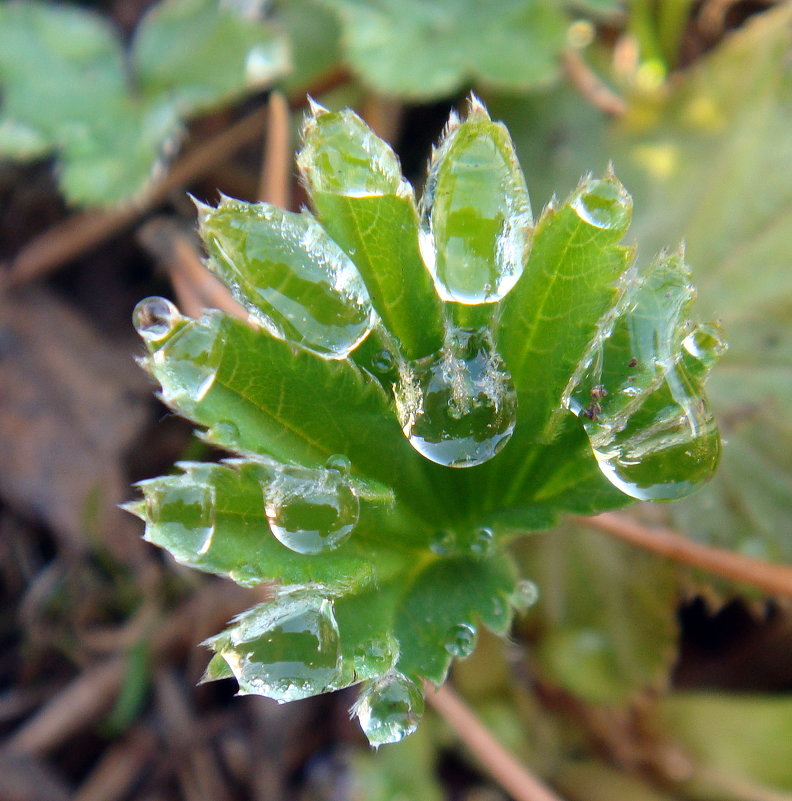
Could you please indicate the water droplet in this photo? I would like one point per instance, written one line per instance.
(311, 511)
(285, 649)
(389, 709)
(154, 318)
(482, 540)
(340, 463)
(443, 542)
(342, 155)
(665, 447)
(458, 408)
(288, 273)
(181, 514)
(475, 212)
(525, 595)
(461, 640)
(224, 433)
(382, 362)
(375, 657)
(603, 204)
(702, 348)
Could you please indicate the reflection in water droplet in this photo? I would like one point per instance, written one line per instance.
(389, 709)
(183, 513)
(603, 204)
(525, 595)
(476, 215)
(288, 273)
(702, 348)
(311, 511)
(286, 649)
(458, 408)
(154, 318)
(461, 640)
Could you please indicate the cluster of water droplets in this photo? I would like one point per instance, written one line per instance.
(312, 511)
(458, 407)
(476, 221)
(640, 397)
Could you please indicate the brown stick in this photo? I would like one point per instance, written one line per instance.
(274, 182)
(775, 580)
(590, 86)
(510, 774)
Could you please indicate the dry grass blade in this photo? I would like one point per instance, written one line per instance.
(775, 580)
(510, 774)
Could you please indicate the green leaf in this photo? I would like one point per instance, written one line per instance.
(384, 502)
(112, 118)
(424, 50)
(201, 53)
(368, 208)
(605, 625)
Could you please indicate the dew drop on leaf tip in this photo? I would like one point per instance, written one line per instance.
(603, 204)
(154, 318)
(389, 709)
(461, 640)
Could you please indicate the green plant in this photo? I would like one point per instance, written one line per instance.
(397, 426)
(113, 117)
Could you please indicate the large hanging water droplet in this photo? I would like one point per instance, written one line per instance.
(311, 511)
(154, 318)
(293, 279)
(458, 408)
(461, 640)
(603, 204)
(389, 709)
(476, 214)
(286, 649)
(665, 447)
(183, 514)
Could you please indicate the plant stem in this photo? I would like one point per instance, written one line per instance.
(589, 85)
(510, 774)
(277, 158)
(775, 580)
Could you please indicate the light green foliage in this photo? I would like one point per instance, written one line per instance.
(422, 50)
(605, 624)
(112, 117)
(378, 478)
(702, 157)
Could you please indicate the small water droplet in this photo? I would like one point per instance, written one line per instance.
(375, 657)
(311, 511)
(182, 514)
(154, 318)
(443, 542)
(603, 204)
(703, 347)
(458, 408)
(223, 433)
(389, 709)
(382, 362)
(340, 463)
(286, 649)
(525, 595)
(482, 540)
(475, 212)
(461, 640)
